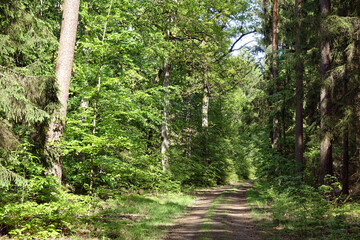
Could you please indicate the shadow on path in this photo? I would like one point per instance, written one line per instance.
(230, 219)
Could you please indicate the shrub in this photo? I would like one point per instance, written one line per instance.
(43, 220)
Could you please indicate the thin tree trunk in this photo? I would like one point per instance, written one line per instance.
(267, 38)
(205, 106)
(94, 132)
(326, 161)
(276, 131)
(267, 26)
(92, 173)
(274, 38)
(96, 105)
(205, 118)
(345, 167)
(189, 132)
(299, 70)
(345, 141)
(63, 74)
(164, 127)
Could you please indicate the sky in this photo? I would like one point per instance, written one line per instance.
(250, 41)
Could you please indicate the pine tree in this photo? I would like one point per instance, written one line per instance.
(299, 69)
(27, 89)
(326, 161)
(63, 74)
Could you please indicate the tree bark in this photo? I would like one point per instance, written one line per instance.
(299, 71)
(205, 119)
(267, 25)
(267, 41)
(205, 106)
(326, 161)
(276, 130)
(63, 74)
(188, 131)
(345, 167)
(274, 38)
(164, 127)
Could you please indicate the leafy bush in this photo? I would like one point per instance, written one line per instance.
(30, 219)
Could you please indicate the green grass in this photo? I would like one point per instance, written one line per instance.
(210, 214)
(283, 216)
(136, 217)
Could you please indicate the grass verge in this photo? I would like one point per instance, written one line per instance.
(135, 217)
(281, 215)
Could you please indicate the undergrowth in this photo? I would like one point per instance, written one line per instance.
(137, 217)
(303, 212)
(70, 216)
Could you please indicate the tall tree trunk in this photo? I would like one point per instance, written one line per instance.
(274, 38)
(205, 106)
(356, 124)
(326, 161)
(188, 129)
(267, 24)
(299, 70)
(92, 174)
(276, 130)
(348, 61)
(267, 41)
(164, 127)
(96, 114)
(205, 118)
(63, 74)
(345, 167)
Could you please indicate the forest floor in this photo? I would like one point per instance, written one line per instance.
(218, 213)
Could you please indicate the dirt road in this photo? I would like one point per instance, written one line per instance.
(220, 213)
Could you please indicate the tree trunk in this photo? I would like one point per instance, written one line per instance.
(326, 161)
(299, 70)
(267, 41)
(205, 106)
(63, 74)
(164, 127)
(274, 39)
(267, 25)
(205, 119)
(189, 129)
(345, 167)
(276, 130)
(92, 174)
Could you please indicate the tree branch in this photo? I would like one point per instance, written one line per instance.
(231, 49)
(237, 40)
(243, 46)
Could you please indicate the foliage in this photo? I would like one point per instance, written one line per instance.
(41, 209)
(118, 104)
(138, 217)
(27, 84)
(302, 211)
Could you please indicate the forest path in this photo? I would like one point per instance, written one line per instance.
(219, 213)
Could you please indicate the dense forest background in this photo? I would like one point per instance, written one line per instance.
(166, 96)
